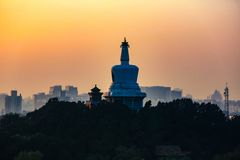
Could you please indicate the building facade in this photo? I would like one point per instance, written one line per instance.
(124, 88)
(40, 99)
(157, 93)
(13, 103)
(176, 94)
(55, 91)
(69, 93)
(72, 93)
(2, 103)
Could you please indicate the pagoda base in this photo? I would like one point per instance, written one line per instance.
(134, 103)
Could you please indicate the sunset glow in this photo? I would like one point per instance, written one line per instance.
(189, 44)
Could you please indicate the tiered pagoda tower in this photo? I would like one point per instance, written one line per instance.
(95, 97)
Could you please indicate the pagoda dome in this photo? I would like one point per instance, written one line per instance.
(124, 74)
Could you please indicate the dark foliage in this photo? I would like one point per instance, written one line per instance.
(64, 130)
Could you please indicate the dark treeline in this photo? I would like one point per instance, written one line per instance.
(71, 131)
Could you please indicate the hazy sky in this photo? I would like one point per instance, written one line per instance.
(189, 44)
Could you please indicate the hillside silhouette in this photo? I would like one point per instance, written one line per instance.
(110, 131)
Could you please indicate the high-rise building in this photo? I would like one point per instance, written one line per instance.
(161, 94)
(158, 93)
(124, 88)
(64, 96)
(72, 93)
(13, 103)
(55, 91)
(176, 94)
(2, 103)
(69, 94)
(40, 99)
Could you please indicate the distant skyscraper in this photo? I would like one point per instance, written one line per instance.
(95, 97)
(161, 94)
(13, 103)
(158, 93)
(40, 99)
(176, 94)
(55, 91)
(72, 93)
(124, 88)
(2, 103)
(64, 96)
(69, 94)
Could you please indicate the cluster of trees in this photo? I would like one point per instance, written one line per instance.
(68, 130)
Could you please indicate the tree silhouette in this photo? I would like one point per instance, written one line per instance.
(68, 130)
(29, 156)
(148, 104)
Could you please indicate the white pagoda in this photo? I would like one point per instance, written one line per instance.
(124, 88)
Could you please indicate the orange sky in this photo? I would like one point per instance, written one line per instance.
(189, 44)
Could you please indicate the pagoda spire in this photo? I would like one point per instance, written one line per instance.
(125, 53)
